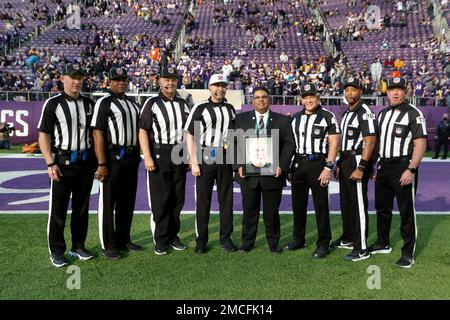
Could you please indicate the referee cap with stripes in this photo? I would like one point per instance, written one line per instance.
(354, 82)
(397, 82)
(218, 78)
(73, 69)
(118, 73)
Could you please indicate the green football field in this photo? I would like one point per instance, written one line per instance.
(26, 272)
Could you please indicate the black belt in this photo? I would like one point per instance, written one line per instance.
(347, 154)
(163, 146)
(214, 149)
(71, 156)
(395, 159)
(120, 153)
(309, 157)
(126, 150)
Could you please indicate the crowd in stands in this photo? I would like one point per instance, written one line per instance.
(143, 55)
(158, 13)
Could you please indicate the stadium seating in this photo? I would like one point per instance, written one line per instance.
(212, 21)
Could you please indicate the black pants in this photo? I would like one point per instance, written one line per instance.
(354, 202)
(304, 177)
(251, 203)
(441, 141)
(166, 187)
(223, 175)
(76, 181)
(387, 186)
(118, 194)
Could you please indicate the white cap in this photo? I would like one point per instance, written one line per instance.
(218, 78)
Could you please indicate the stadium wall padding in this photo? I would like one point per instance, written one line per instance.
(24, 116)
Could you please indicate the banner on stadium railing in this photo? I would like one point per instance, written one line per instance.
(24, 117)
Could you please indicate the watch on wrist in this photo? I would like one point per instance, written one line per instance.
(412, 170)
(329, 164)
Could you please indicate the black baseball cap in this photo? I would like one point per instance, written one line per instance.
(169, 72)
(354, 82)
(73, 69)
(308, 89)
(118, 73)
(396, 82)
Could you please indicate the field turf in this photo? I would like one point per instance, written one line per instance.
(26, 272)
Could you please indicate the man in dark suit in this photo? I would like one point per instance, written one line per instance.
(263, 123)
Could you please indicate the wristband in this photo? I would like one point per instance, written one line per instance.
(363, 163)
(329, 164)
(51, 165)
(101, 165)
(412, 170)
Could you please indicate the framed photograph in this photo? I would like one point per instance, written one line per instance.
(259, 157)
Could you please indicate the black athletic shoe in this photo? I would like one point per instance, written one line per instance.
(58, 260)
(160, 251)
(81, 253)
(245, 249)
(292, 246)
(228, 246)
(405, 262)
(320, 253)
(133, 247)
(200, 249)
(341, 244)
(357, 255)
(112, 254)
(377, 249)
(178, 245)
(275, 250)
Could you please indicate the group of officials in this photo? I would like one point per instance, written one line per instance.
(80, 139)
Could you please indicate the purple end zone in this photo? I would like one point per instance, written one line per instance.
(22, 188)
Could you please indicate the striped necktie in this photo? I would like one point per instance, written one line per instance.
(261, 124)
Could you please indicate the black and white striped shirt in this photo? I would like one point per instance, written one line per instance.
(213, 121)
(398, 127)
(164, 119)
(67, 120)
(118, 117)
(355, 125)
(311, 131)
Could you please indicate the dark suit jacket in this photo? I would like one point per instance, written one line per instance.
(247, 120)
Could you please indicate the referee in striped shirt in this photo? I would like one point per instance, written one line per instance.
(316, 136)
(161, 127)
(359, 135)
(403, 139)
(115, 131)
(65, 142)
(207, 129)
